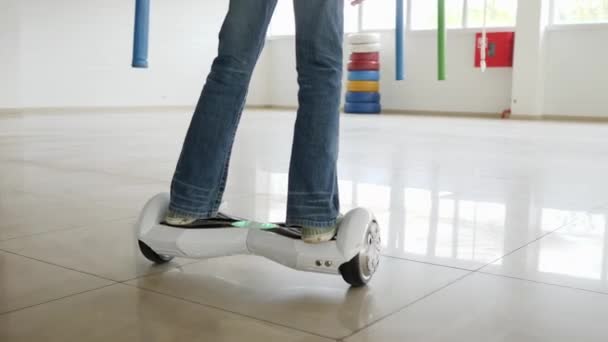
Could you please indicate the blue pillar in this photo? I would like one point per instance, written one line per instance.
(399, 42)
(140, 36)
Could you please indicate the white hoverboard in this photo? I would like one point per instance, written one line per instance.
(355, 253)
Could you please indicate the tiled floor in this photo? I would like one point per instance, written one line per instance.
(492, 231)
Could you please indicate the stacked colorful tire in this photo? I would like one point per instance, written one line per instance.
(362, 90)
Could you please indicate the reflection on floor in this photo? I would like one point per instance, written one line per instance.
(490, 228)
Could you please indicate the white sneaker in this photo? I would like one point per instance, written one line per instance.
(174, 219)
(318, 234)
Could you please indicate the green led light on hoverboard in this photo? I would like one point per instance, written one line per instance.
(254, 225)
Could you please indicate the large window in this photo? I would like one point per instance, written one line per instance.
(464, 13)
(580, 11)
(380, 14)
(499, 13)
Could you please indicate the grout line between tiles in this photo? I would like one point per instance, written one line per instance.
(60, 230)
(479, 268)
(540, 237)
(470, 273)
(140, 180)
(230, 311)
(541, 282)
(396, 311)
(112, 281)
(177, 266)
(56, 265)
(460, 279)
(427, 263)
(57, 299)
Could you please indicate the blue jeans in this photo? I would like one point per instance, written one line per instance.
(200, 176)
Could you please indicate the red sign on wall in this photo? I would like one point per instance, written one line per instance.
(499, 50)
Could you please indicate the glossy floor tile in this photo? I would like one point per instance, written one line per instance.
(489, 308)
(514, 199)
(432, 226)
(321, 304)
(467, 234)
(574, 256)
(77, 186)
(108, 249)
(24, 214)
(25, 282)
(123, 313)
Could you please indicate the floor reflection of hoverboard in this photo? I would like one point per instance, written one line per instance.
(354, 253)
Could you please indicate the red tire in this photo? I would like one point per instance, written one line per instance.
(365, 56)
(363, 65)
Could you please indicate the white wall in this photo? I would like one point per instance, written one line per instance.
(77, 53)
(282, 79)
(9, 57)
(577, 72)
(574, 69)
(467, 89)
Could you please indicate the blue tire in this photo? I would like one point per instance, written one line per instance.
(364, 75)
(357, 97)
(362, 108)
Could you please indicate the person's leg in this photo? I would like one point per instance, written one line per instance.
(313, 188)
(200, 175)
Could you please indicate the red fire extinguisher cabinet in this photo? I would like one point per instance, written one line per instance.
(499, 50)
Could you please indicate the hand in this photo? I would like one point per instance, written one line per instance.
(356, 2)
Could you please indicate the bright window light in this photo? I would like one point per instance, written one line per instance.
(418, 204)
(500, 13)
(444, 247)
(283, 19)
(351, 17)
(580, 11)
(424, 14)
(379, 14)
(373, 196)
(481, 231)
(576, 250)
